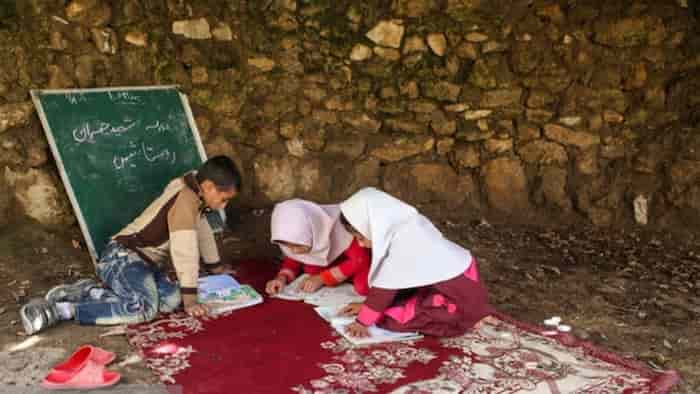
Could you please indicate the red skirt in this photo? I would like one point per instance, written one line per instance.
(446, 308)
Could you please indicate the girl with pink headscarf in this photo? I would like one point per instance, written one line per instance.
(313, 240)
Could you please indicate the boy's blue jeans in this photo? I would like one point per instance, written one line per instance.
(135, 290)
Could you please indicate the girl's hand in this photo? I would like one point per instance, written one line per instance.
(311, 284)
(350, 309)
(357, 330)
(275, 286)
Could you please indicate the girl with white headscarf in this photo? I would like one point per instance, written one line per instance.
(419, 280)
(313, 240)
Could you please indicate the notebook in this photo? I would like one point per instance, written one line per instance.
(325, 296)
(217, 285)
(222, 293)
(377, 335)
(291, 290)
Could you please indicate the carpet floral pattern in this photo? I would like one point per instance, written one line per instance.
(284, 346)
(502, 356)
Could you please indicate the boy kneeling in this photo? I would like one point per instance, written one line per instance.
(170, 234)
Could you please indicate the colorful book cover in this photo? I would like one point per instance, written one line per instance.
(244, 296)
(222, 293)
(217, 284)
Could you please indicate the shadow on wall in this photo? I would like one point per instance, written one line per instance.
(8, 15)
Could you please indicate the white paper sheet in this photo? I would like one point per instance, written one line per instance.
(377, 335)
(325, 296)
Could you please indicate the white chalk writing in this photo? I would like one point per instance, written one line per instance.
(76, 98)
(159, 127)
(163, 154)
(86, 133)
(120, 162)
(150, 154)
(124, 98)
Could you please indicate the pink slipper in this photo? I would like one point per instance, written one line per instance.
(81, 371)
(96, 354)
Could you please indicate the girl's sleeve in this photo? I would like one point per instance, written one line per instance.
(290, 269)
(354, 260)
(378, 300)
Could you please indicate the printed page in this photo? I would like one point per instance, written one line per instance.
(337, 295)
(377, 335)
(325, 296)
(291, 290)
(331, 314)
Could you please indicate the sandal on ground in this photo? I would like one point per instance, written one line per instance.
(37, 315)
(82, 372)
(94, 353)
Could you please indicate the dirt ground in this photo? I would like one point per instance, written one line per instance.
(634, 291)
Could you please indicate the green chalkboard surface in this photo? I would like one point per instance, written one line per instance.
(116, 149)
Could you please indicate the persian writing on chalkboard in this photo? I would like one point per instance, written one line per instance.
(89, 131)
(148, 152)
(117, 147)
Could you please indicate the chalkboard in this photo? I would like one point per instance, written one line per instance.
(116, 149)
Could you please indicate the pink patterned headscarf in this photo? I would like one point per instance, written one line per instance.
(306, 223)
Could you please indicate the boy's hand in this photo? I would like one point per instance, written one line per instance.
(276, 285)
(357, 330)
(193, 307)
(311, 284)
(197, 310)
(350, 309)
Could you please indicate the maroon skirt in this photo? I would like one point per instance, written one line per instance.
(445, 308)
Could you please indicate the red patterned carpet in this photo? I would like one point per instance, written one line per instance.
(284, 347)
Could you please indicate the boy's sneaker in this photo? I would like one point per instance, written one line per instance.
(37, 315)
(71, 292)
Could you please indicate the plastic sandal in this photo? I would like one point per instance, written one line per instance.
(99, 356)
(80, 372)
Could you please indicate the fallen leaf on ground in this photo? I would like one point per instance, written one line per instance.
(118, 330)
(131, 359)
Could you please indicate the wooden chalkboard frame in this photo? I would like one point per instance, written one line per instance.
(37, 93)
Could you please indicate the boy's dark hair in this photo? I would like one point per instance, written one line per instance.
(347, 225)
(221, 171)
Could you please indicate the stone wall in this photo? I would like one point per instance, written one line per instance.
(560, 109)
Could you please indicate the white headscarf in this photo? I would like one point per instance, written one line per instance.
(303, 222)
(407, 249)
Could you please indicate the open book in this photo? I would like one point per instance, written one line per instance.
(377, 335)
(222, 293)
(337, 295)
